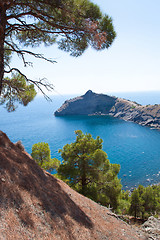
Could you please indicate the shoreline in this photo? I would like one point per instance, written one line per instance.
(93, 104)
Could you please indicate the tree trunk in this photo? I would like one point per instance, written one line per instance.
(84, 183)
(135, 212)
(2, 38)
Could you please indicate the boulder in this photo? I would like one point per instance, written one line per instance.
(152, 228)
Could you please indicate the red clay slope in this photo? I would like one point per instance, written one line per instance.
(36, 205)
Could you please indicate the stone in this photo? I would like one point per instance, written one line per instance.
(152, 228)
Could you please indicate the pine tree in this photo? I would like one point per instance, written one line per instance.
(41, 153)
(72, 24)
(89, 171)
(136, 204)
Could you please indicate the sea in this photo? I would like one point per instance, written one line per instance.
(136, 148)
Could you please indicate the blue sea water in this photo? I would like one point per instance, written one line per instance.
(135, 148)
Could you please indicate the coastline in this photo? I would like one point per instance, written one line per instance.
(100, 104)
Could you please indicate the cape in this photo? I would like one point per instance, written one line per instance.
(101, 104)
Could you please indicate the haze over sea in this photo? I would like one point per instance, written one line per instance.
(134, 147)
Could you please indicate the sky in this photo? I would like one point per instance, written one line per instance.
(131, 64)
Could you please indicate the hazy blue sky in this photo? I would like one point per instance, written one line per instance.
(132, 63)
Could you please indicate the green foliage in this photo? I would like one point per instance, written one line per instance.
(7, 56)
(136, 204)
(111, 189)
(142, 202)
(132, 107)
(149, 200)
(42, 155)
(88, 170)
(82, 160)
(16, 89)
(124, 203)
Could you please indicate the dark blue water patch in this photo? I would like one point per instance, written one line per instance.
(134, 147)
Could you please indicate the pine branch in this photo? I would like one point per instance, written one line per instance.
(14, 48)
(39, 84)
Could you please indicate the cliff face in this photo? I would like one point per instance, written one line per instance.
(131, 111)
(100, 104)
(90, 103)
(35, 205)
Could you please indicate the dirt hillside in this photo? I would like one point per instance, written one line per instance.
(36, 205)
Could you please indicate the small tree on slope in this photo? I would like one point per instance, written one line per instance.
(88, 170)
(42, 155)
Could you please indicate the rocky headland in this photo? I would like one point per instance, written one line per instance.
(100, 104)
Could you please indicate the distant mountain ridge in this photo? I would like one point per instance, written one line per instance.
(101, 104)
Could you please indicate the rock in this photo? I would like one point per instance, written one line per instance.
(90, 103)
(100, 104)
(152, 228)
(3, 179)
